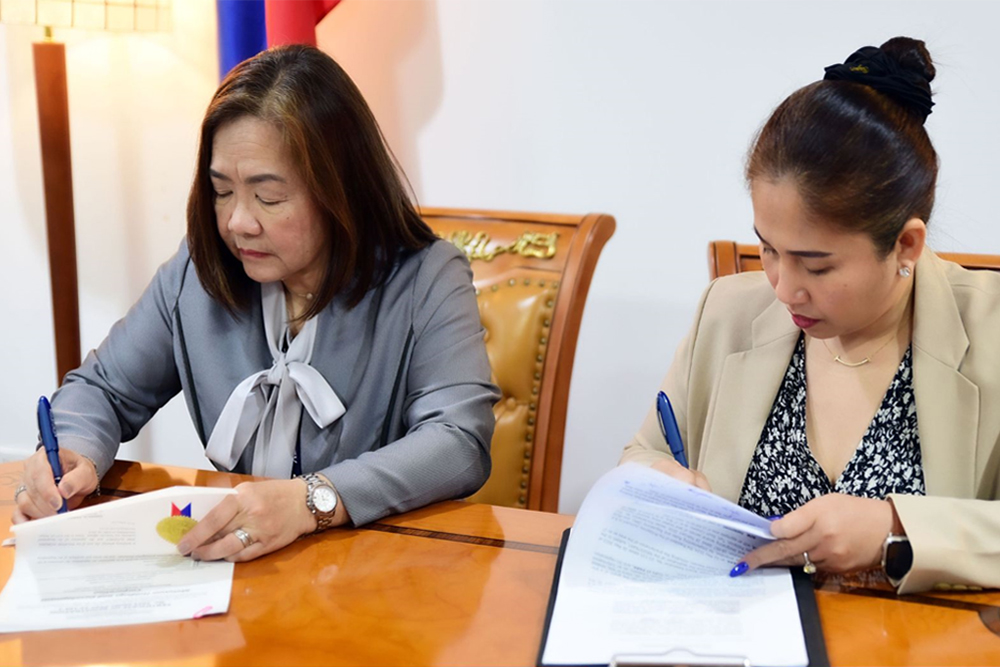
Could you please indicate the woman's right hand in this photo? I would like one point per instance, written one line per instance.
(41, 497)
(668, 466)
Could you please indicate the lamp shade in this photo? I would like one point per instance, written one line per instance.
(113, 15)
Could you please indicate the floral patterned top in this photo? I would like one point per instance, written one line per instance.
(784, 475)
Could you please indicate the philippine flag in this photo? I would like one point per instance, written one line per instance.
(247, 27)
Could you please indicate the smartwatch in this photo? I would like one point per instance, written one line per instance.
(897, 558)
(321, 500)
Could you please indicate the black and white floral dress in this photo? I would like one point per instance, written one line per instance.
(784, 475)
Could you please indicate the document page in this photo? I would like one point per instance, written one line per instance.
(646, 577)
(114, 564)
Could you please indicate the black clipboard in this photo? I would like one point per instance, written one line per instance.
(805, 594)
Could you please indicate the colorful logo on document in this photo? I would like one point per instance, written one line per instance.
(177, 525)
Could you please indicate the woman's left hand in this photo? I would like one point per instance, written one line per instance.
(839, 532)
(273, 513)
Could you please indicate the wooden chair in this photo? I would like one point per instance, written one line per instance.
(532, 273)
(728, 257)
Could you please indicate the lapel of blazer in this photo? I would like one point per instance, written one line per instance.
(748, 383)
(947, 402)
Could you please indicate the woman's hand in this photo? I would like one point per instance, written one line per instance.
(273, 513)
(669, 466)
(41, 497)
(839, 532)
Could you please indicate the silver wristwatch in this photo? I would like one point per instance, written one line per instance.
(321, 500)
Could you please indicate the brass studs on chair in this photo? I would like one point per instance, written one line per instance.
(544, 340)
(522, 500)
(524, 484)
(495, 288)
(549, 303)
(511, 282)
(547, 323)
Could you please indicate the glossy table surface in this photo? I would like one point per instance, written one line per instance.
(451, 584)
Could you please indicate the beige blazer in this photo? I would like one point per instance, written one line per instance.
(728, 370)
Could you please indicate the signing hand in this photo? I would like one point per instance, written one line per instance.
(41, 497)
(840, 532)
(669, 466)
(273, 513)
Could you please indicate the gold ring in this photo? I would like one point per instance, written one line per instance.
(809, 567)
(243, 536)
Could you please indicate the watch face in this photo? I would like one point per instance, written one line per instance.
(898, 558)
(324, 498)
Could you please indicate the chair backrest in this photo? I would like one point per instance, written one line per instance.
(532, 273)
(728, 257)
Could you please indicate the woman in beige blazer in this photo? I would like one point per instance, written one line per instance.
(852, 317)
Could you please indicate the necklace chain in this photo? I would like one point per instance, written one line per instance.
(308, 295)
(856, 364)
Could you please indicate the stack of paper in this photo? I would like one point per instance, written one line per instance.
(114, 564)
(645, 579)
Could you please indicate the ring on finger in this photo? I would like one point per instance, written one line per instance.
(244, 537)
(19, 490)
(809, 567)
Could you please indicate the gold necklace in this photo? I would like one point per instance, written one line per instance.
(855, 364)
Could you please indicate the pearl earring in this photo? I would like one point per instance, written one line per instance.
(904, 271)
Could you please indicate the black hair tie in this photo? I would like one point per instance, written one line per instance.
(873, 67)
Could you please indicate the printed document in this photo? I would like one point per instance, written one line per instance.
(114, 564)
(645, 579)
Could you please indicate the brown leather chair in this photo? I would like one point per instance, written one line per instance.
(532, 273)
(728, 257)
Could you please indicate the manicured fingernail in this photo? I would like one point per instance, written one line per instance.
(774, 518)
(184, 548)
(56, 503)
(740, 568)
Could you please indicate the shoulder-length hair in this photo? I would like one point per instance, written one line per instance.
(336, 144)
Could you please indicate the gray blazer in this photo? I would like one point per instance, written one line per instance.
(408, 363)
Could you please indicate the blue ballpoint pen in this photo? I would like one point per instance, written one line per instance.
(668, 426)
(47, 429)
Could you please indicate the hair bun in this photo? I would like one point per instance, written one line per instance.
(900, 69)
(912, 55)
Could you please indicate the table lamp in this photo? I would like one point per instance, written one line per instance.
(53, 125)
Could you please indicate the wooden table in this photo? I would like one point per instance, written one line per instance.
(452, 584)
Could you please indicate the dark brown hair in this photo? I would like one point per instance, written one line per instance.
(860, 159)
(342, 157)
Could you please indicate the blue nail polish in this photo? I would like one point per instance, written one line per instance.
(774, 518)
(740, 568)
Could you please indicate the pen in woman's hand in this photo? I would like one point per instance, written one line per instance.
(669, 428)
(47, 432)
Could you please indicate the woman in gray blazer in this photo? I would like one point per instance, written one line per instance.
(321, 334)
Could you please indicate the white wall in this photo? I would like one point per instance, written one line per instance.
(639, 109)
